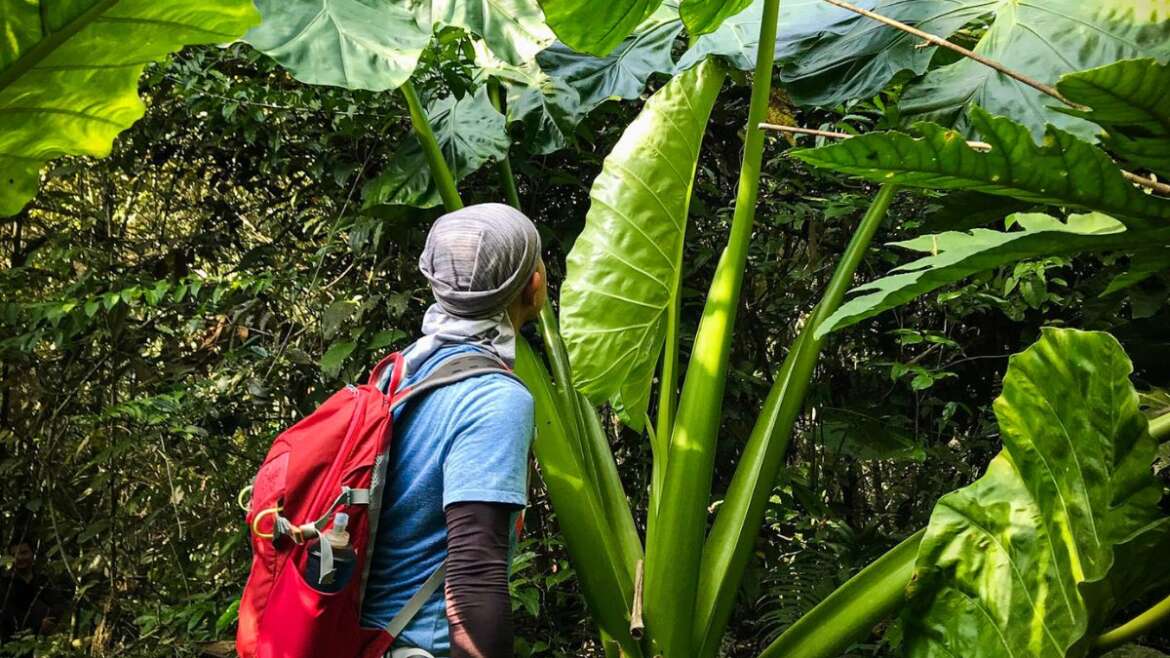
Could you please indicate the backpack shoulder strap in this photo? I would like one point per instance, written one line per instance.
(451, 370)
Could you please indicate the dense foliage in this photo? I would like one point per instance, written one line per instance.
(249, 246)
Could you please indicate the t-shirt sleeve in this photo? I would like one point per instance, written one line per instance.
(488, 458)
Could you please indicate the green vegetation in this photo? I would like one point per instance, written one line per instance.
(798, 469)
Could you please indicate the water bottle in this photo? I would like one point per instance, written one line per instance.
(343, 558)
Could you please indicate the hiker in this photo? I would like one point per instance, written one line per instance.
(458, 464)
(26, 598)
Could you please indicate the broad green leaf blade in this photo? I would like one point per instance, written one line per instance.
(470, 133)
(854, 57)
(703, 16)
(69, 74)
(1131, 100)
(343, 43)
(1004, 565)
(736, 40)
(955, 255)
(624, 267)
(591, 543)
(863, 435)
(1041, 39)
(548, 108)
(622, 73)
(1063, 171)
(594, 27)
(513, 29)
(853, 609)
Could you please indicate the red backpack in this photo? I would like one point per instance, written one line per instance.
(332, 461)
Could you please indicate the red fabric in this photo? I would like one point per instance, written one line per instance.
(282, 616)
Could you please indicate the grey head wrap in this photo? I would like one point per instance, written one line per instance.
(477, 260)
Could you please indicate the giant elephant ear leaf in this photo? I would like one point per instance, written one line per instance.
(595, 27)
(1042, 40)
(1064, 170)
(620, 74)
(703, 16)
(69, 74)
(623, 271)
(1008, 564)
(955, 255)
(1131, 100)
(470, 132)
(344, 43)
(513, 29)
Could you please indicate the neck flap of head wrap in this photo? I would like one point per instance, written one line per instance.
(477, 260)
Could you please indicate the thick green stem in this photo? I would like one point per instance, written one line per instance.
(733, 536)
(430, 146)
(1160, 427)
(853, 609)
(507, 178)
(1136, 627)
(674, 545)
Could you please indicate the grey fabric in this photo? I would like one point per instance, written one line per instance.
(477, 260)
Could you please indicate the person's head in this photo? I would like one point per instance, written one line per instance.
(22, 555)
(484, 260)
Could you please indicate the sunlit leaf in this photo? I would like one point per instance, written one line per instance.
(69, 74)
(703, 16)
(344, 43)
(624, 268)
(1004, 565)
(513, 29)
(1131, 100)
(1063, 170)
(955, 255)
(594, 27)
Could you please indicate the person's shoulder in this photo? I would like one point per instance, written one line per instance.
(497, 389)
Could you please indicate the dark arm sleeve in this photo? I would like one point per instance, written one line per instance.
(479, 611)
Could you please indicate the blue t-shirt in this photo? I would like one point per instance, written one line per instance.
(465, 442)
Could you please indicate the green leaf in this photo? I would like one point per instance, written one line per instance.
(862, 434)
(335, 357)
(344, 43)
(513, 29)
(856, 58)
(592, 543)
(703, 16)
(470, 133)
(955, 255)
(1064, 170)
(1144, 264)
(737, 38)
(69, 74)
(1007, 562)
(621, 74)
(548, 108)
(624, 268)
(594, 27)
(1131, 100)
(1041, 40)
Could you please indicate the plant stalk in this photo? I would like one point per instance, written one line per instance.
(1140, 625)
(507, 178)
(675, 537)
(1160, 427)
(430, 146)
(853, 609)
(733, 536)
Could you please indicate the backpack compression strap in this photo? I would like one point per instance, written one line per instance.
(449, 371)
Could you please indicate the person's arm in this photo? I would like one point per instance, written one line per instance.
(479, 611)
(484, 482)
